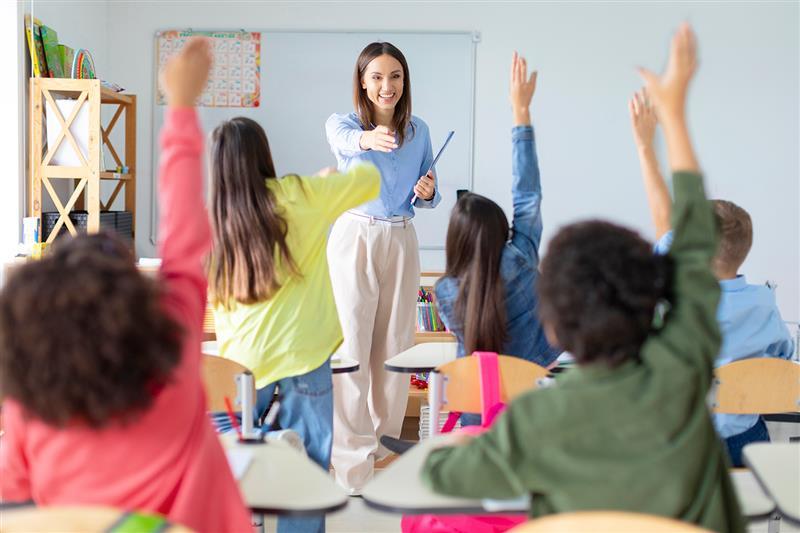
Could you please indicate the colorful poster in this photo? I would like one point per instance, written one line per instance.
(235, 79)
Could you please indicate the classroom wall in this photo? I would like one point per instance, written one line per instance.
(11, 132)
(744, 106)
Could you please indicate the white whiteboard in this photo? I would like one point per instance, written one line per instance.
(307, 75)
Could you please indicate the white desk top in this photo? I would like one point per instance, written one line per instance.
(422, 357)
(753, 501)
(777, 468)
(281, 480)
(399, 489)
(339, 365)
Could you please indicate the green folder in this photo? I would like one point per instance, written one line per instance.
(50, 43)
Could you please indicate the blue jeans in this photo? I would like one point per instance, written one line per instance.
(307, 408)
(735, 443)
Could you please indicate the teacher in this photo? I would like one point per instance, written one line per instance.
(374, 257)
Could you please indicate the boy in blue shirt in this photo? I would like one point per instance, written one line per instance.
(748, 315)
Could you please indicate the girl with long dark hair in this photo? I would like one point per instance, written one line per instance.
(269, 281)
(486, 296)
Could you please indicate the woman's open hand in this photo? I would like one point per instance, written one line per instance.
(381, 139)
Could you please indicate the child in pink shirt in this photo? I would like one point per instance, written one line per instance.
(100, 367)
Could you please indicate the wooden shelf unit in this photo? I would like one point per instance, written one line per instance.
(86, 178)
(428, 279)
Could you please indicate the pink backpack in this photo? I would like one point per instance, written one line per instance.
(491, 406)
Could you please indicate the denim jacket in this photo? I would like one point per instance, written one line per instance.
(518, 265)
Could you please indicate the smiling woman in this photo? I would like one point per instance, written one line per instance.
(374, 257)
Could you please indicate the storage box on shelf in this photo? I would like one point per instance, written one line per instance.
(74, 143)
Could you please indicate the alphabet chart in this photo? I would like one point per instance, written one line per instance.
(235, 78)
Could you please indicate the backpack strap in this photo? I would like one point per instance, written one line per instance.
(450, 423)
(489, 370)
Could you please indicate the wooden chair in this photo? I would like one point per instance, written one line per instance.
(757, 387)
(219, 377)
(84, 519)
(606, 522)
(760, 386)
(517, 376)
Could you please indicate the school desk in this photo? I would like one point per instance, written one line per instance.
(281, 480)
(777, 468)
(399, 489)
(422, 357)
(339, 365)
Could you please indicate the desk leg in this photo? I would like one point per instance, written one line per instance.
(257, 521)
(774, 524)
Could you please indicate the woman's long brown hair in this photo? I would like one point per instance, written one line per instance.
(363, 105)
(249, 235)
(476, 236)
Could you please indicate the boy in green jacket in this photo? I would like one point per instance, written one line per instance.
(629, 428)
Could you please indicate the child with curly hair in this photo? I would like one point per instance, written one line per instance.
(100, 366)
(628, 429)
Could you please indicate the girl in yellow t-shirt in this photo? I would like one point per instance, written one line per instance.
(270, 288)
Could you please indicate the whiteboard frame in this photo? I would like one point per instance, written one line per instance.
(476, 38)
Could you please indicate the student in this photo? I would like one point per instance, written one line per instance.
(486, 296)
(748, 315)
(100, 366)
(628, 429)
(273, 304)
(374, 257)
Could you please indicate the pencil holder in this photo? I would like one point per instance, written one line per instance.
(428, 318)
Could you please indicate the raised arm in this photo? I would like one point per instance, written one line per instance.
(668, 93)
(643, 124)
(184, 236)
(526, 187)
(691, 332)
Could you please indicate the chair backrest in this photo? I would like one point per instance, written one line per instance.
(83, 518)
(219, 377)
(462, 381)
(616, 521)
(757, 386)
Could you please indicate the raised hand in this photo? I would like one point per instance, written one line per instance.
(380, 139)
(668, 91)
(185, 75)
(643, 119)
(521, 90)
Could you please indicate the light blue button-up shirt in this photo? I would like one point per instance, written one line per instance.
(400, 169)
(751, 326)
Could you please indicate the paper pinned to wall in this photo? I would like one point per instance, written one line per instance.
(235, 78)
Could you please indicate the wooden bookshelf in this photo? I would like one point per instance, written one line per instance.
(85, 178)
(421, 337)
